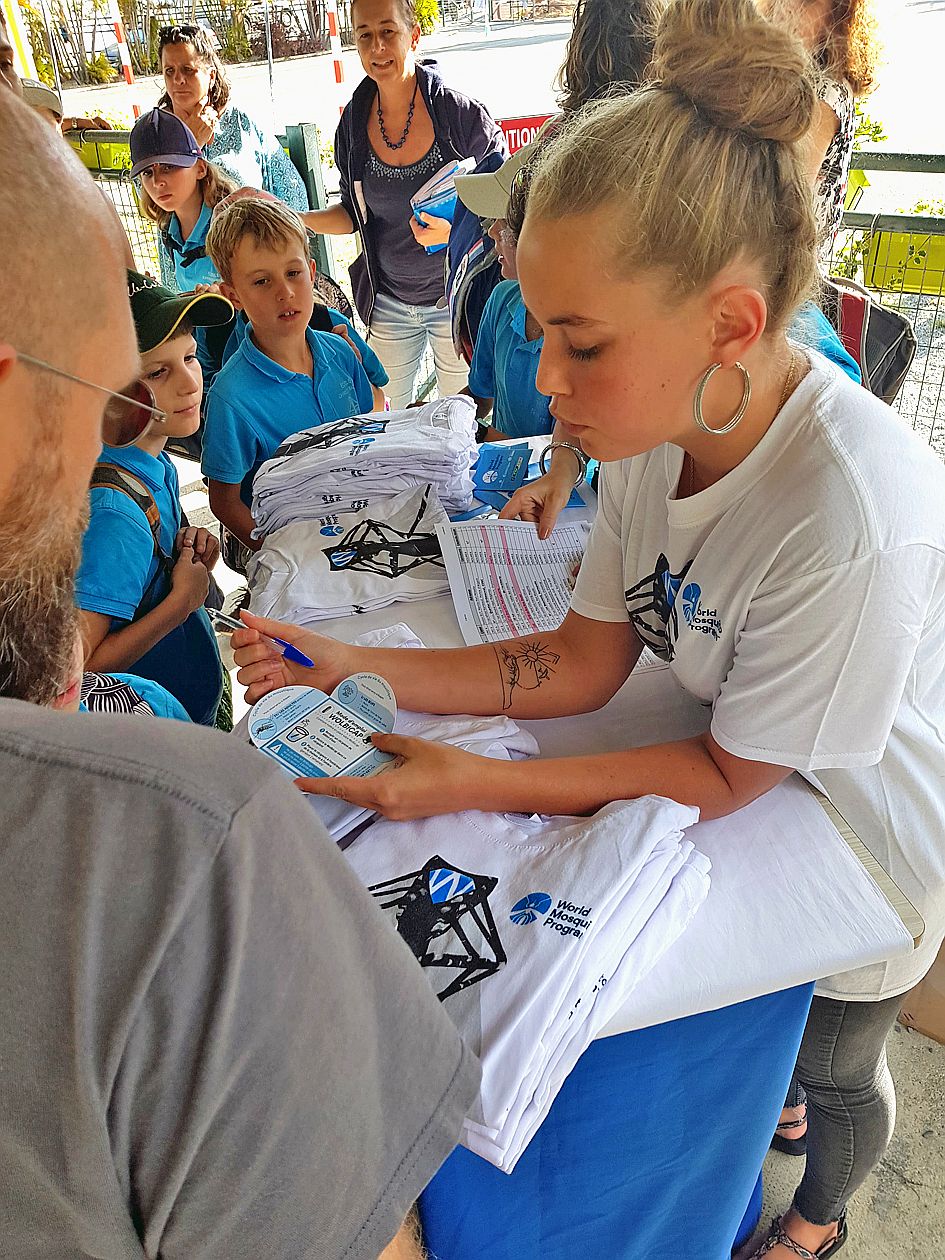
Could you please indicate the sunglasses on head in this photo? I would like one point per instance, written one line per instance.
(126, 415)
(168, 34)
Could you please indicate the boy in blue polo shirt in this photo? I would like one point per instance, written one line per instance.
(509, 341)
(283, 376)
(144, 574)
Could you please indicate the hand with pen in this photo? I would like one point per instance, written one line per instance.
(260, 650)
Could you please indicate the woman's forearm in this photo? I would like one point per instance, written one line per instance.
(335, 221)
(684, 770)
(574, 669)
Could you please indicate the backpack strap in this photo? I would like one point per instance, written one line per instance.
(114, 477)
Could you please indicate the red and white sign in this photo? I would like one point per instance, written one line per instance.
(521, 131)
(124, 55)
(334, 44)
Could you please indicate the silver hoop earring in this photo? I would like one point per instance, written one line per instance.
(697, 415)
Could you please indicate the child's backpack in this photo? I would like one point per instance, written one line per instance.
(206, 694)
(881, 340)
(114, 477)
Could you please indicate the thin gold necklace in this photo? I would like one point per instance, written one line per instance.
(786, 389)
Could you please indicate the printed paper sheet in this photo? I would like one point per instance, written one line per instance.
(505, 581)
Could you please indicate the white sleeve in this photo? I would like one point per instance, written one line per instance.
(599, 592)
(822, 662)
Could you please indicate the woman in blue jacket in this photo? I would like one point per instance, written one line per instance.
(402, 124)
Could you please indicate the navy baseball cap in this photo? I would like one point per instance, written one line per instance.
(160, 137)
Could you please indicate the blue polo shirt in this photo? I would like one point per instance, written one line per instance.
(373, 367)
(118, 561)
(505, 364)
(120, 575)
(191, 264)
(255, 404)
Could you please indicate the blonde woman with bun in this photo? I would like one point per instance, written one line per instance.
(765, 526)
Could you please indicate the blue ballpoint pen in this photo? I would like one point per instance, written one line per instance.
(290, 652)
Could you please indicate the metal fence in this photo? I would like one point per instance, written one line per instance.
(900, 258)
(107, 157)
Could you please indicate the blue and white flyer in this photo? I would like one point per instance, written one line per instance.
(315, 736)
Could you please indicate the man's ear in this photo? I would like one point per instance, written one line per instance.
(740, 315)
(229, 292)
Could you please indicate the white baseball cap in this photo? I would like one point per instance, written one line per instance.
(39, 96)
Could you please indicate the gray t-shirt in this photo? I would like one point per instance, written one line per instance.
(212, 1043)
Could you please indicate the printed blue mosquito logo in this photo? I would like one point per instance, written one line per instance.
(445, 884)
(690, 601)
(531, 907)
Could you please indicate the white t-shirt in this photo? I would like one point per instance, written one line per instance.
(515, 920)
(344, 563)
(803, 598)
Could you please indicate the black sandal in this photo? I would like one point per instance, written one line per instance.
(777, 1236)
(790, 1145)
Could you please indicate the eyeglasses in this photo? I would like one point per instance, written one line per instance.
(126, 415)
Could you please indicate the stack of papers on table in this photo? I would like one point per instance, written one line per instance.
(438, 195)
(351, 562)
(533, 931)
(344, 465)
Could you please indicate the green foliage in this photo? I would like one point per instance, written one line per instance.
(848, 258)
(867, 130)
(428, 14)
(37, 33)
(934, 208)
(100, 69)
(234, 43)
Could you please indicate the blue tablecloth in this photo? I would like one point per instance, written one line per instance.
(653, 1148)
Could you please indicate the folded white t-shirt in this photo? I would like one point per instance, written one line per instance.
(345, 465)
(517, 920)
(342, 564)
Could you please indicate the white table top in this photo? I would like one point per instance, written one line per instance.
(789, 902)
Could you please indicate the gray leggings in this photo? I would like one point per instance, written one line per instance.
(851, 1103)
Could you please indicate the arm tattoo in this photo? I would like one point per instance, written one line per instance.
(523, 666)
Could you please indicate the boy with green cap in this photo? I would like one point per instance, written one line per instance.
(144, 574)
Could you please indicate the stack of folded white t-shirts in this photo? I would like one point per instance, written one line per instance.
(345, 464)
(351, 562)
(533, 931)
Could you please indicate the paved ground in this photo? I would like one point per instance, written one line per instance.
(513, 70)
(899, 1214)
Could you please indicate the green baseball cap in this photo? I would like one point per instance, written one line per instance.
(157, 311)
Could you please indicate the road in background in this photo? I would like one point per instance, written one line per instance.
(513, 69)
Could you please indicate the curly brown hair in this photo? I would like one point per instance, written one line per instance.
(850, 49)
(610, 46)
(847, 46)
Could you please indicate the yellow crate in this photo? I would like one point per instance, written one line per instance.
(857, 184)
(905, 262)
(103, 155)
